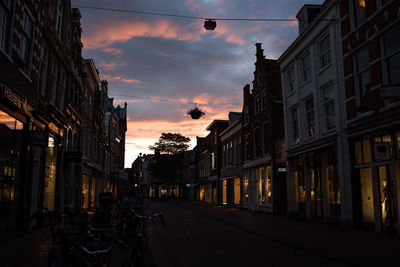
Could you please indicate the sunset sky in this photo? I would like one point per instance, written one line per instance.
(178, 62)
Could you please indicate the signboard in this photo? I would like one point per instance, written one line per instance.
(12, 96)
(382, 151)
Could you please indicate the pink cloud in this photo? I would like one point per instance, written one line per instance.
(109, 66)
(119, 79)
(104, 35)
(113, 51)
(165, 54)
(293, 23)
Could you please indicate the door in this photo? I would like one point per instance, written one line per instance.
(367, 199)
(316, 193)
(387, 195)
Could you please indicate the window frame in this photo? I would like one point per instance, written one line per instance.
(309, 112)
(294, 125)
(322, 54)
(27, 41)
(6, 44)
(324, 102)
(291, 79)
(305, 69)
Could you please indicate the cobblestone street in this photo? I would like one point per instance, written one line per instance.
(201, 235)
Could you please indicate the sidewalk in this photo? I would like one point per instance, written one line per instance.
(355, 247)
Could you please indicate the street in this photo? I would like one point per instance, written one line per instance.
(201, 235)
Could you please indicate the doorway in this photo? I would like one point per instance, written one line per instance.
(315, 192)
(386, 195)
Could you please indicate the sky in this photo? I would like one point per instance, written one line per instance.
(161, 65)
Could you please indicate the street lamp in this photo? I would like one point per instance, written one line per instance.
(210, 24)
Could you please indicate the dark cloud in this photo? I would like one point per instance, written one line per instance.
(177, 60)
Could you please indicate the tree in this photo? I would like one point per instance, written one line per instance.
(171, 143)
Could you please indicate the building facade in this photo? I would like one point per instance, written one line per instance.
(312, 84)
(371, 60)
(262, 127)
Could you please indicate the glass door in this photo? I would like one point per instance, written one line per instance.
(367, 199)
(316, 193)
(387, 195)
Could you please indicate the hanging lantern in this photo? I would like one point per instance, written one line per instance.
(196, 113)
(210, 24)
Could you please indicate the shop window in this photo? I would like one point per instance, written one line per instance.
(301, 185)
(246, 186)
(50, 174)
(362, 151)
(85, 191)
(333, 185)
(93, 192)
(398, 145)
(236, 189)
(224, 192)
(260, 178)
(268, 185)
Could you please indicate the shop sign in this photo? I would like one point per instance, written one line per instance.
(382, 151)
(12, 96)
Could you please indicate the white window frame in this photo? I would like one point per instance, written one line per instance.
(325, 58)
(291, 79)
(294, 125)
(305, 77)
(328, 101)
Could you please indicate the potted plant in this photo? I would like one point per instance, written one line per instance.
(196, 113)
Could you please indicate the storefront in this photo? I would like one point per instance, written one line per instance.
(11, 149)
(231, 191)
(257, 188)
(314, 185)
(89, 190)
(377, 180)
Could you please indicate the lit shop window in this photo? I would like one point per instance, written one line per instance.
(362, 152)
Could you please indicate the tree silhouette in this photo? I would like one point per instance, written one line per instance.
(171, 143)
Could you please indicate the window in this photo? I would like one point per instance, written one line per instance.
(363, 79)
(61, 89)
(306, 68)
(391, 49)
(44, 57)
(265, 138)
(290, 79)
(52, 80)
(5, 25)
(309, 104)
(328, 102)
(257, 104)
(26, 41)
(213, 161)
(324, 51)
(246, 115)
(264, 100)
(246, 147)
(257, 142)
(359, 11)
(238, 149)
(59, 21)
(294, 125)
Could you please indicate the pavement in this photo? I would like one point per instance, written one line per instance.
(312, 243)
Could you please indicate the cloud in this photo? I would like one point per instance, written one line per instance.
(193, 5)
(110, 77)
(107, 66)
(165, 54)
(103, 35)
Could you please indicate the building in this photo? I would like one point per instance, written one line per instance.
(371, 53)
(188, 172)
(313, 90)
(231, 163)
(41, 111)
(262, 129)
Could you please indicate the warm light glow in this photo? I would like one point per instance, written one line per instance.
(361, 3)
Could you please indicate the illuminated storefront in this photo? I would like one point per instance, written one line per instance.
(11, 134)
(314, 185)
(376, 180)
(231, 191)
